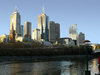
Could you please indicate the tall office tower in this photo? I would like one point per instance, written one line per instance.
(36, 34)
(43, 26)
(54, 31)
(15, 21)
(73, 32)
(22, 30)
(80, 39)
(12, 35)
(27, 30)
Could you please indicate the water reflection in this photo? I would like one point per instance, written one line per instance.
(93, 66)
(75, 68)
(67, 67)
(21, 69)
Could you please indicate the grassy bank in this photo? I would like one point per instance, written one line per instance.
(45, 51)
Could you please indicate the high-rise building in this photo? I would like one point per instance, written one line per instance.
(22, 30)
(36, 35)
(12, 35)
(27, 30)
(43, 26)
(54, 31)
(15, 21)
(73, 32)
(80, 39)
(4, 38)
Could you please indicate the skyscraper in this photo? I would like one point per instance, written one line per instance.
(22, 30)
(80, 39)
(43, 26)
(12, 35)
(27, 30)
(54, 31)
(36, 35)
(15, 21)
(73, 32)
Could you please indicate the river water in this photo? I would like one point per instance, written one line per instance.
(65, 66)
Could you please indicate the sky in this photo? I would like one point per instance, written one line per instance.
(84, 13)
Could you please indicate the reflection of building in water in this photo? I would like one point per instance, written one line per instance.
(58, 72)
(77, 68)
(5, 69)
(46, 68)
(73, 68)
(65, 72)
(48, 73)
(94, 67)
(21, 69)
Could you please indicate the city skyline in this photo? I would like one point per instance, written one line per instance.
(87, 23)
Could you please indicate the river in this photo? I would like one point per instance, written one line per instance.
(64, 66)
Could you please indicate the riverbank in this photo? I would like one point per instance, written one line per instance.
(80, 58)
(32, 65)
(45, 51)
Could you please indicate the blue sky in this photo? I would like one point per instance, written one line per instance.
(84, 13)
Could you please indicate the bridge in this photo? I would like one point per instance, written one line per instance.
(97, 51)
